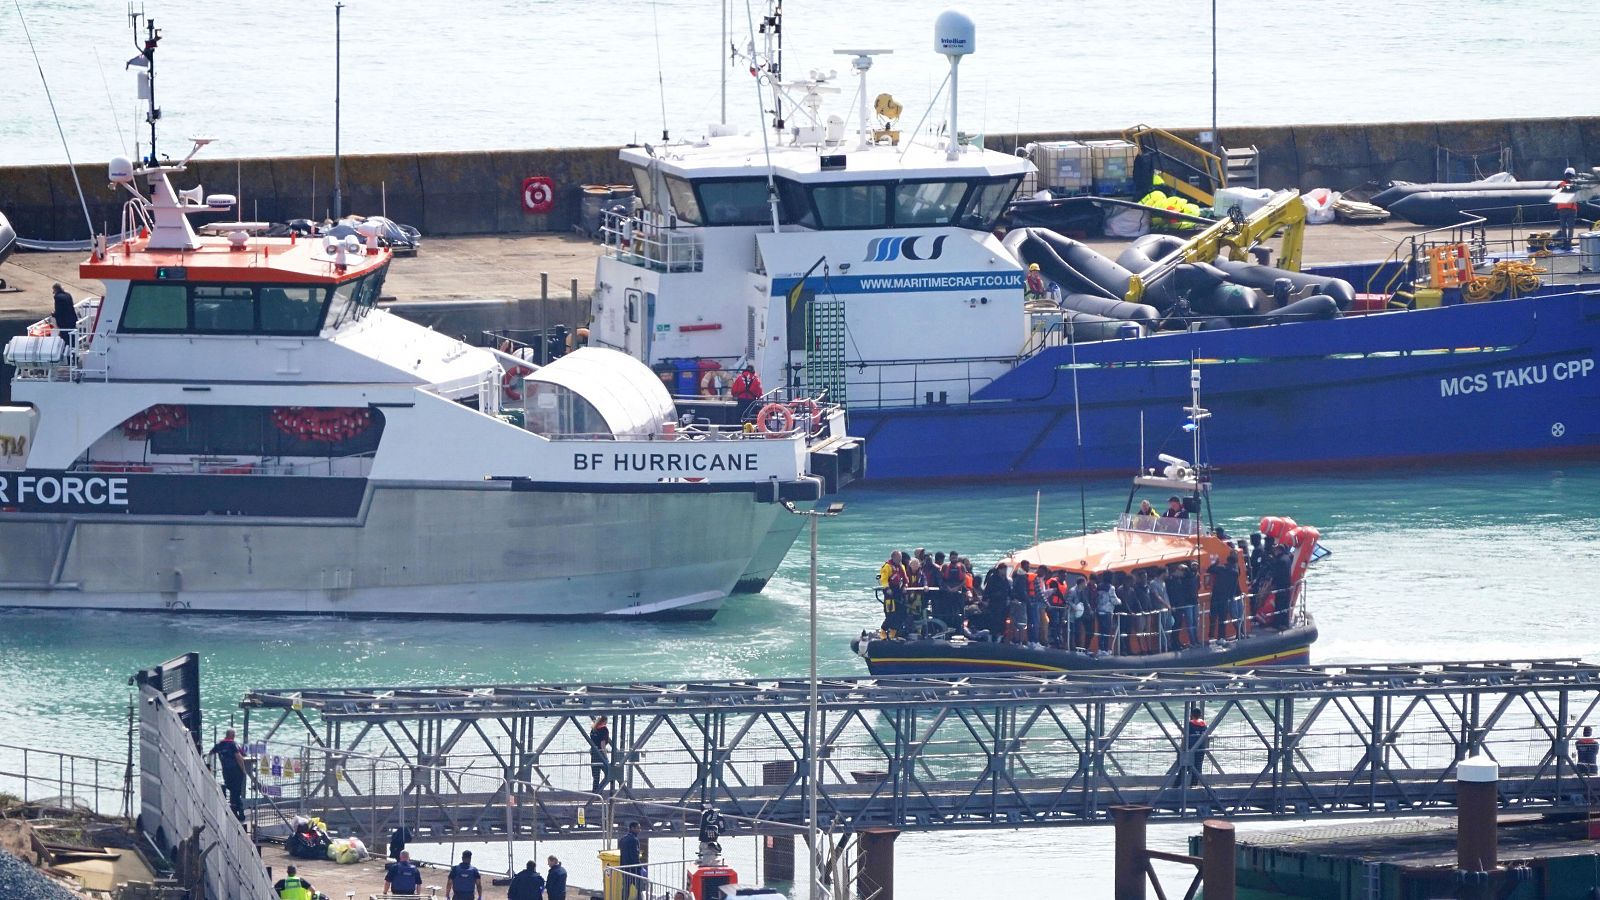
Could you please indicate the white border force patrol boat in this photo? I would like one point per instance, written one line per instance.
(236, 427)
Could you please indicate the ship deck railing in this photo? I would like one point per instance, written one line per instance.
(323, 466)
(641, 242)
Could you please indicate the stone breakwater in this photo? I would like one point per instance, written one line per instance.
(482, 192)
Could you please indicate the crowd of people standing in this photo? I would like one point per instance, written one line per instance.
(1135, 611)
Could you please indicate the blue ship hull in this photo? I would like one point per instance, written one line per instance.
(1508, 378)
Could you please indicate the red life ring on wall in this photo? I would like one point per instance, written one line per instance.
(538, 195)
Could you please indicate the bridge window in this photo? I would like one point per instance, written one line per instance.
(740, 202)
(644, 186)
(683, 200)
(852, 205)
(354, 299)
(987, 203)
(220, 309)
(292, 310)
(928, 202)
(156, 307)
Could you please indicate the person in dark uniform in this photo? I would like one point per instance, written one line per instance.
(464, 882)
(1282, 575)
(632, 863)
(1224, 589)
(402, 877)
(233, 762)
(66, 313)
(599, 753)
(526, 885)
(555, 880)
(1175, 509)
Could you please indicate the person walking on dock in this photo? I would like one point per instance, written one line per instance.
(632, 855)
(292, 887)
(402, 877)
(527, 884)
(555, 880)
(599, 753)
(464, 882)
(232, 759)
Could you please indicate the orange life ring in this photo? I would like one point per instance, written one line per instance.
(715, 382)
(770, 417)
(508, 381)
(41, 328)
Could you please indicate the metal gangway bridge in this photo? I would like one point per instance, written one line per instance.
(503, 762)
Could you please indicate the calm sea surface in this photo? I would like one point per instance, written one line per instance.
(1450, 564)
(542, 73)
(1460, 563)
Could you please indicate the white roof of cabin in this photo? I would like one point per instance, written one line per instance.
(737, 155)
(624, 391)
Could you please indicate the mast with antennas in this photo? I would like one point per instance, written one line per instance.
(146, 60)
(861, 62)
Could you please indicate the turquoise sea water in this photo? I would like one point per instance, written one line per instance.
(1490, 562)
(547, 73)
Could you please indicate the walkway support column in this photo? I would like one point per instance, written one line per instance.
(875, 849)
(777, 851)
(1217, 870)
(1129, 825)
(1477, 829)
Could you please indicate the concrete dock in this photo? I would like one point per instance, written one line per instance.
(507, 267)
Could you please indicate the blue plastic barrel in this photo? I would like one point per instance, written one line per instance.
(688, 378)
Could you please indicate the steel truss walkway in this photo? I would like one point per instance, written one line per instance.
(926, 753)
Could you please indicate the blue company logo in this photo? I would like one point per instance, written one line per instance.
(889, 249)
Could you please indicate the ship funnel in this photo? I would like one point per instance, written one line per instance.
(955, 36)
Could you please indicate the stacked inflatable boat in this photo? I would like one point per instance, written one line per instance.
(1177, 292)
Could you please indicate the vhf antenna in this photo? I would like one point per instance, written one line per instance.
(146, 60)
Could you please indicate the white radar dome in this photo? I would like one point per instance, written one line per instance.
(954, 33)
(120, 169)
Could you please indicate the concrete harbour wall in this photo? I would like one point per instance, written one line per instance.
(480, 192)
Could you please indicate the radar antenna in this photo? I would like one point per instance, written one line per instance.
(861, 62)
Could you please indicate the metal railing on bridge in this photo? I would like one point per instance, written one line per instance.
(956, 752)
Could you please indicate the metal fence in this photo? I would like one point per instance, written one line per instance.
(180, 800)
(100, 786)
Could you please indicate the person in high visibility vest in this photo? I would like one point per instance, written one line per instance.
(747, 385)
(1566, 209)
(292, 887)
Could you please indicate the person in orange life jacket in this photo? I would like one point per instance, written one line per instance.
(1055, 609)
(1566, 210)
(746, 385)
(1033, 286)
(1025, 589)
(1588, 752)
(892, 577)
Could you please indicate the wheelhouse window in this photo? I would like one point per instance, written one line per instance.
(292, 310)
(738, 202)
(222, 310)
(683, 200)
(354, 299)
(796, 204)
(987, 203)
(237, 309)
(644, 186)
(852, 205)
(156, 307)
(928, 202)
